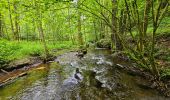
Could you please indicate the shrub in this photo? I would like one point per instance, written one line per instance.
(7, 50)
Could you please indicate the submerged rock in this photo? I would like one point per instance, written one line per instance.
(90, 79)
(78, 75)
(81, 53)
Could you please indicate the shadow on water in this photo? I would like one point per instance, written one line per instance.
(94, 77)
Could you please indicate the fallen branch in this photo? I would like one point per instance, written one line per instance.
(8, 80)
(4, 71)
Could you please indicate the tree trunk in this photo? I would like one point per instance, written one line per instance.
(157, 17)
(1, 34)
(71, 36)
(43, 40)
(80, 35)
(16, 31)
(41, 31)
(96, 35)
(114, 36)
(146, 15)
(11, 21)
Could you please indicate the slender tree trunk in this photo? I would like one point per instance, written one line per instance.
(71, 36)
(96, 35)
(146, 15)
(114, 36)
(41, 31)
(1, 34)
(121, 22)
(157, 17)
(11, 21)
(43, 40)
(16, 22)
(6, 31)
(84, 31)
(139, 26)
(129, 19)
(80, 35)
(101, 30)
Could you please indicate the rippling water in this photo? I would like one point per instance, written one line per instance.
(99, 80)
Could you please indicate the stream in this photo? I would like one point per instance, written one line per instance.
(93, 77)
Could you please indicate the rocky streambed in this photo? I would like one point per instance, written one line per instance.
(93, 77)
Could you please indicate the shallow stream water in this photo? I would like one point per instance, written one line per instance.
(97, 79)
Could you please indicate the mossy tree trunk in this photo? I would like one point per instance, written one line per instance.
(11, 20)
(158, 14)
(16, 22)
(116, 41)
(80, 34)
(1, 34)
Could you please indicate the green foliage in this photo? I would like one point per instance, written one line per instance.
(165, 73)
(104, 43)
(12, 50)
(59, 26)
(7, 51)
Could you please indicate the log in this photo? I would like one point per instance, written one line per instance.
(8, 80)
(4, 71)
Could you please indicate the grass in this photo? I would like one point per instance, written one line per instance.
(14, 50)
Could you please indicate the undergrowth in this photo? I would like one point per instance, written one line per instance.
(13, 50)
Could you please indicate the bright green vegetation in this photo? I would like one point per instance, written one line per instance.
(14, 50)
(134, 27)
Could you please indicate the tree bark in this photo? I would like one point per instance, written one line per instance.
(80, 35)
(114, 36)
(41, 31)
(16, 31)
(146, 15)
(11, 21)
(156, 18)
(1, 34)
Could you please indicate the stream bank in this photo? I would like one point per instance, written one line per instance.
(20, 67)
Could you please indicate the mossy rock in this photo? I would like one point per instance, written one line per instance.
(104, 43)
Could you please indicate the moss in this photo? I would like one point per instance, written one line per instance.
(104, 43)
